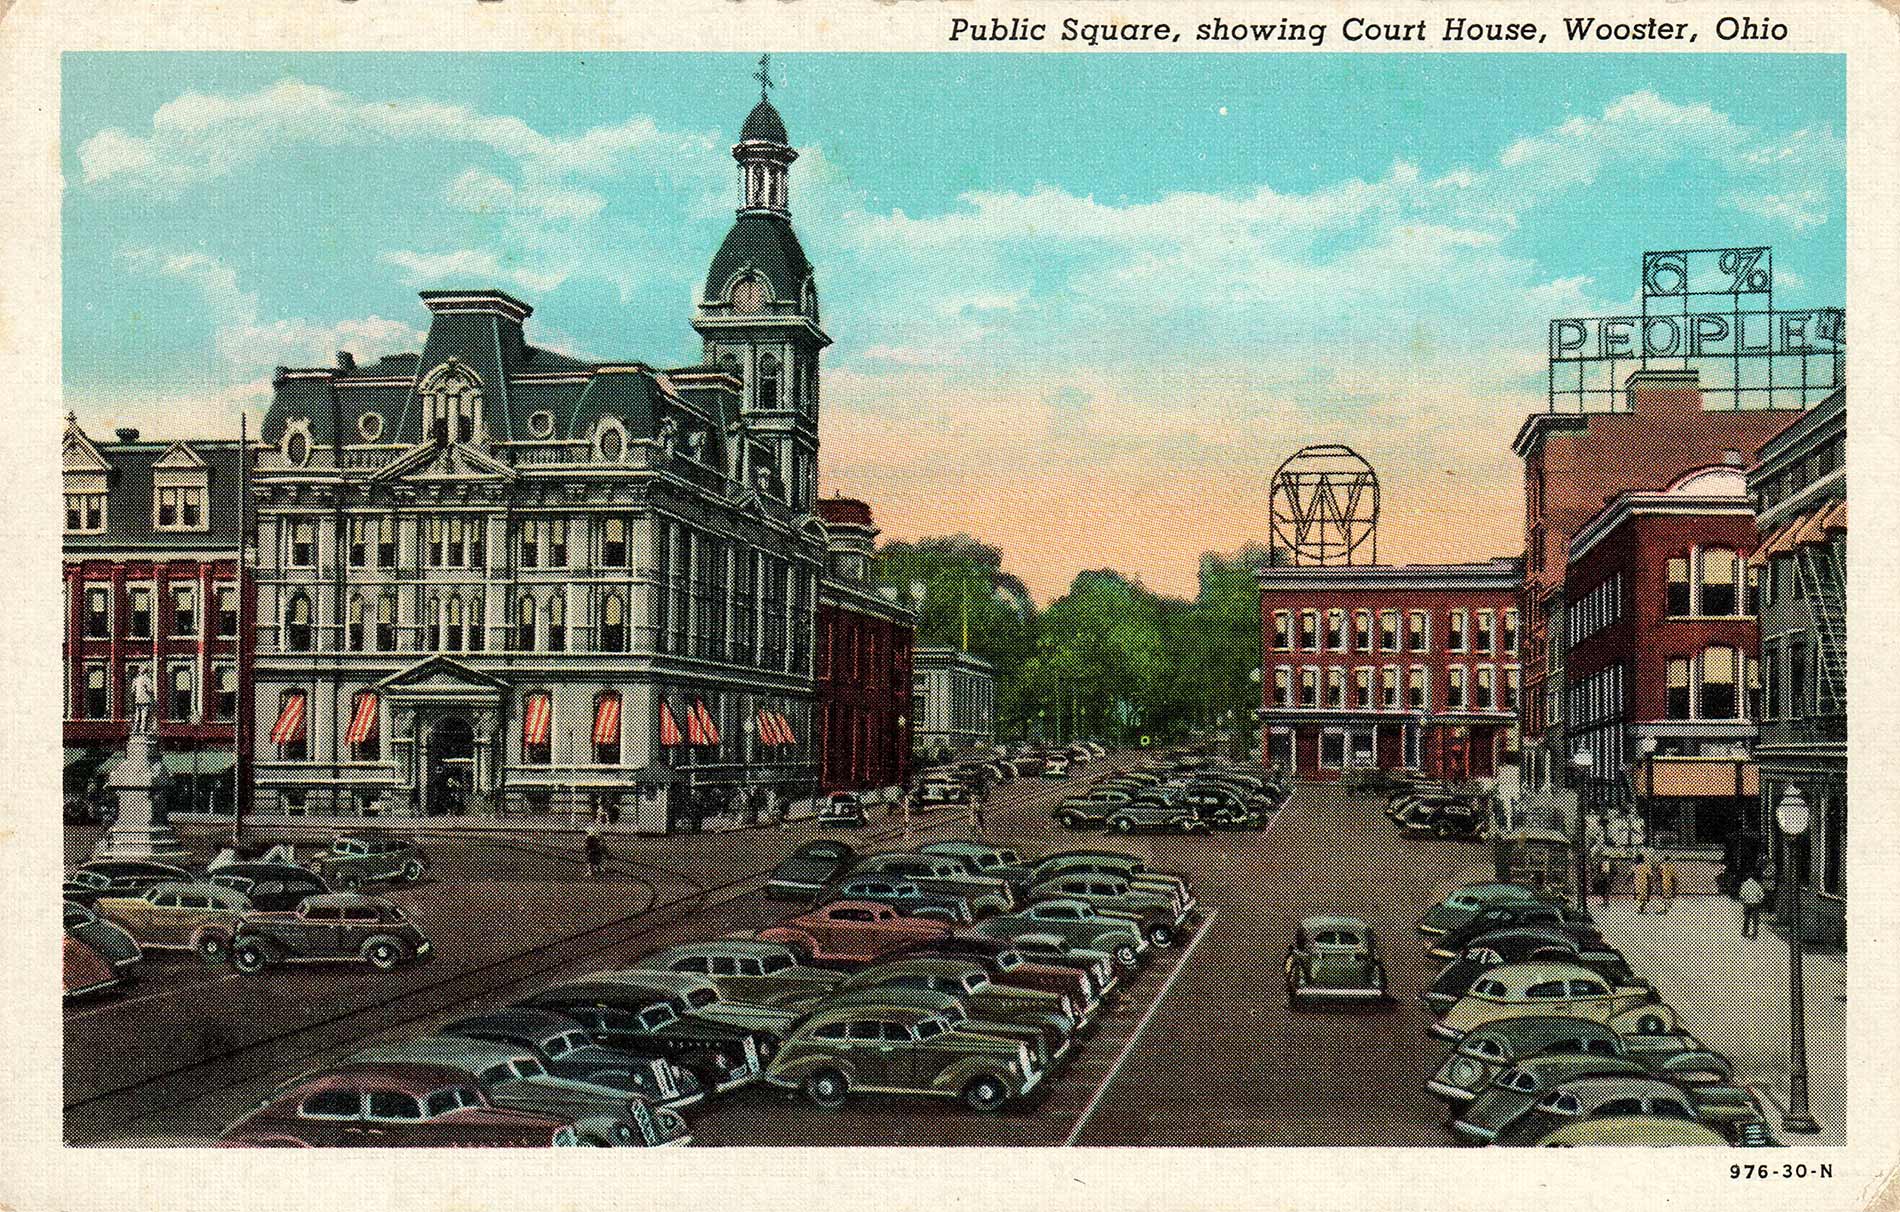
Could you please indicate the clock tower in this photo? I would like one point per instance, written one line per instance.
(758, 312)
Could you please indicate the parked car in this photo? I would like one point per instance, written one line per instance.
(810, 869)
(1507, 914)
(1056, 766)
(748, 970)
(1084, 981)
(1058, 952)
(353, 861)
(86, 971)
(1515, 1092)
(1518, 945)
(696, 997)
(906, 897)
(841, 809)
(939, 792)
(1155, 914)
(1556, 988)
(953, 1010)
(1120, 865)
(389, 1105)
(1333, 957)
(117, 947)
(1226, 807)
(993, 862)
(895, 1051)
(1598, 1098)
(935, 873)
(335, 926)
(270, 885)
(848, 933)
(1158, 811)
(118, 877)
(1076, 924)
(1487, 1051)
(1057, 1015)
(515, 1077)
(1645, 1131)
(625, 1016)
(1466, 902)
(198, 916)
(564, 1049)
(1090, 811)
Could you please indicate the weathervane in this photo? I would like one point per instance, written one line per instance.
(764, 74)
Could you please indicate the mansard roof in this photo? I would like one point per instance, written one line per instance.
(128, 468)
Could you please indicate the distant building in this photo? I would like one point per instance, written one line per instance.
(1663, 687)
(1799, 484)
(953, 701)
(1390, 666)
(861, 722)
(150, 553)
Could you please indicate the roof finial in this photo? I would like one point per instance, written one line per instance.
(764, 74)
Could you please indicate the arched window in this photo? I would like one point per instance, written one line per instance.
(452, 402)
(354, 638)
(1718, 582)
(386, 623)
(524, 623)
(1362, 629)
(297, 623)
(476, 639)
(1676, 702)
(557, 623)
(454, 623)
(1719, 701)
(613, 623)
(1679, 602)
(1282, 630)
(768, 396)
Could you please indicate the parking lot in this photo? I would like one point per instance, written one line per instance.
(1201, 1050)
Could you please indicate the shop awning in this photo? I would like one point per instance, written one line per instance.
(199, 761)
(700, 721)
(534, 723)
(1816, 526)
(290, 720)
(1702, 778)
(769, 732)
(1776, 544)
(784, 729)
(669, 727)
(607, 719)
(363, 723)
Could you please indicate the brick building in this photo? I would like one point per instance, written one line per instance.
(1573, 464)
(150, 551)
(1662, 682)
(861, 714)
(1412, 666)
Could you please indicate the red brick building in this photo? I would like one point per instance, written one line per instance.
(863, 670)
(1662, 679)
(150, 572)
(1411, 665)
(1573, 464)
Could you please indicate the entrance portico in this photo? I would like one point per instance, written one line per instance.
(445, 731)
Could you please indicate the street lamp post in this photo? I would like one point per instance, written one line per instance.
(1583, 762)
(1791, 814)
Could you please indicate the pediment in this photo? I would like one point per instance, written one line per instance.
(179, 457)
(441, 673)
(443, 461)
(77, 453)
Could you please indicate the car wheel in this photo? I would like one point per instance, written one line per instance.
(383, 955)
(624, 1133)
(1124, 825)
(1161, 935)
(1069, 820)
(210, 947)
(1126, 955)
(826, 1088)
(248, 957)
(985, 1094)
(1651, 1024)
(412, 871)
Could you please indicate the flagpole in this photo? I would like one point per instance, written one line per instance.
(237, 724)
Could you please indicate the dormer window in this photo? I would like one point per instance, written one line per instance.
(85, 512)
(180, 509)
(179, 489)
(452, 403)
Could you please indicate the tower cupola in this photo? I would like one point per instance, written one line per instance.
(763, 152)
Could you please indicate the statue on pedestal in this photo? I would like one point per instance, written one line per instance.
(144, 705)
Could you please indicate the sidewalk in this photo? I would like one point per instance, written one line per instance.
(1732, 993)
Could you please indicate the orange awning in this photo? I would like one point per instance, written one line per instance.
(534, 725)
(363, 723)
(1712, 777)
(1779, 542)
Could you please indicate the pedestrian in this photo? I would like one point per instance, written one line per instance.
(595, 849)
(613, 810)
(1606, 875)
(1666, 881)
(600, 815)
(1642, 873)
(976, 814)
(1751, 895)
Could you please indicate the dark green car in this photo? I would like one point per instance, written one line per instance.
(893, 1050)
(352, 862)
(1153, 912)
(1054, 1014)
(1484, 1053)
(1334, 958)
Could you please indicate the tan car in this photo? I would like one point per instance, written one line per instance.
(178, 916)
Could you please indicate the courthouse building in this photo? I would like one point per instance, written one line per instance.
(953, 703)
(494, 578)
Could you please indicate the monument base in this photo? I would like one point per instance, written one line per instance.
(157, 842)
(140, 782)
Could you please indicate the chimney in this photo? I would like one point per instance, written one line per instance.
(126, 433)
(345, 360)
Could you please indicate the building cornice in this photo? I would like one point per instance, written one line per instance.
(1505, 574)
(1631, 505)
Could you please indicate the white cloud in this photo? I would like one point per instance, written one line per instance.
(469, 266)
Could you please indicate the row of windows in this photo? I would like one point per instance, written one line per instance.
(865, 655)
(175, 508)
(1600, 608)
(459, 542)
(1393, 688)
(141, 611)
(1465, 631)
(1823, 460)
(1715, 589)
(1706, 687)
(1598, 697)
(1793, 690)
(178, 699)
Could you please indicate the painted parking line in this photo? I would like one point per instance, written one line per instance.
(1140, 1027)
(145, 997)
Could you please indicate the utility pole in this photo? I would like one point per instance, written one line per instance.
(238, 765)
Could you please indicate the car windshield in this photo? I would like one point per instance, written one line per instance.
(699, 999)
(91, 879)
(954, 1014)
(1521, 1081)
(527, 1066)
(976, 982)
(774, 963)
(1008, 960)
(442, 1102)
(561, 1045)
(657, 1016)
(496, 1073)
(1462, 901)
(926, 1028)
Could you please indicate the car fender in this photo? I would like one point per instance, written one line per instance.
(217, 930)
(1658, 1018)
(270, 946)
(953, 1077)
(797, 940)
(616, 1131)
(1696, 1061)
(792, 1069)
(397, 941)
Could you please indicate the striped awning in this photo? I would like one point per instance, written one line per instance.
(784, 728)
(1815, 527)
(700, 729)
(669, 727)
(290, 720)
(768, 733)
(607, 719)
(534, 724)
(363, 723)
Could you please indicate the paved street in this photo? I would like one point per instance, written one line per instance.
(1202, 1050)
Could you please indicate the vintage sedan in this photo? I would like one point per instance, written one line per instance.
(697, 997)
(1561, 918)
(841, 809)
(269, 885)
(632, 1019)
(943, 792)
(954, 1010)
(1596, 1098)
(1516, 1091)
(1056, 766)
(86, 971)
(850, 933)
(1632, 1131)
(1086, 981)
(1552, 987)
(1154, 914)
(1228, 807)
(1117, 863)
(118, 877)
(393, 1105)
(1489, 1050)
(515, 1077)
(1076, 923)
(995, 862)
(111, 941)
(1056, 951)
(1518, 945)
(564, 1048)
(1090, 811)
(899, 1051)
(337, 926)
(933, 873)
(748, 970)
(906, 897)
(1056, 1014)
(1164, 809)
(198, 916)
(1334, 958)
(1466, 902)
(810, 869)
(353, 861)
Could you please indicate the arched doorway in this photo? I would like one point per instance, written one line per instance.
(451, 774)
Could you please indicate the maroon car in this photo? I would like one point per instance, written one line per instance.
(853, 933)
(398, 1104)
(1008, 966)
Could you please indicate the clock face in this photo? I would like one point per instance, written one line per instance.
(749, 296)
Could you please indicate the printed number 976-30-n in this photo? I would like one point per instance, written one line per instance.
(1786, 1170)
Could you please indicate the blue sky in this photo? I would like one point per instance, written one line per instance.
(1083, 304)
